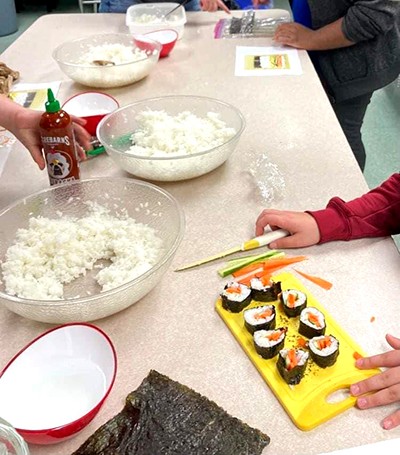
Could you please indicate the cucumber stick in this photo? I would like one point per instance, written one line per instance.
(238, 263)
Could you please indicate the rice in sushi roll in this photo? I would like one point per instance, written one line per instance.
(293, 302)
(269, 342)
(292, 365)
(265, 291)
(235, 297)
(324, 350)
(260, 318)
(312, 322)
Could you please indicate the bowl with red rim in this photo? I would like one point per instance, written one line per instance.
(167, 38)
(92, 106)
(57, 383)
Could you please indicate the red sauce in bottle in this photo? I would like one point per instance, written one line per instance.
(58, 143)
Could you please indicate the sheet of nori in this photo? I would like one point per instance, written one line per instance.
(163, 417)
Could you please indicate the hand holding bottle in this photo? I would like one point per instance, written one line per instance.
(24, 124)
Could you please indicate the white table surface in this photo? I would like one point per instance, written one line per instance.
(175, 329)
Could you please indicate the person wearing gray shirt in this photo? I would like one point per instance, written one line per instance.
(355, 47)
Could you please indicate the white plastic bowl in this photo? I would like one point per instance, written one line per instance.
(57, 383)
(150, 17)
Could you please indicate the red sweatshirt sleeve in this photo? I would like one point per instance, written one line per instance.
(375, 214)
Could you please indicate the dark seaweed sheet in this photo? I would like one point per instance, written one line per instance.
(163, 417)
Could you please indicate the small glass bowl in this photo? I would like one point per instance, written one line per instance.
(11, 443)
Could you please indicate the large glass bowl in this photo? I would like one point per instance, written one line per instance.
(142, 201)
(72, 58)
(114, 133)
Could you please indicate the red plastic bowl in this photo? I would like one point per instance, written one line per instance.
(92, 106)
(167, 38)
(57, 383)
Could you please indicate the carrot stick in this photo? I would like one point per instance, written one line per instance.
(279, 263)
(265, 279)
(292, 359)
(316, 280)
(270, 264)
(248, 276)
(301, 342)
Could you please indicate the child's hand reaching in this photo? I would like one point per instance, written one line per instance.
(384, 388)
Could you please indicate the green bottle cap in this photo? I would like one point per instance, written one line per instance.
(52, 105)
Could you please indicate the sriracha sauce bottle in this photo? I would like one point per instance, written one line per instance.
(58, 142)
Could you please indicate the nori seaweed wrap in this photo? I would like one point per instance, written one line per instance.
(260, 318)
(265, 292)
(163, 417)
(235, 297)
(292, 365)
(269, 342)
(293, 302)
(324, 350)
(312, 322)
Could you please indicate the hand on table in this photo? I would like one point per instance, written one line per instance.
(213, 5)
(302, 227)
(384, 388)
(26, 129)
(294, 35)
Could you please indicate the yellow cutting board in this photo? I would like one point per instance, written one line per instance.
(306, 403)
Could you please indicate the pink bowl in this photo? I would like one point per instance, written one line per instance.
(92, 106)
(57, 383)
(167, 38)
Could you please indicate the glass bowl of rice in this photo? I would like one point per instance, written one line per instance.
(86, 250)
(171, 138)
(107, 60)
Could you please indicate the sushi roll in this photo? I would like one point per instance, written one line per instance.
(292, 365)
(235, 297)
(293, 302)
(265, 291)
(324, 350)
(260, 318)
(269, 342)
(312, 323)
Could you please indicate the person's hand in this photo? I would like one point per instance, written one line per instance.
(295, 35)
(257, 3)
(26, 130)
(213, 5)
(302, 227)
(384, 387)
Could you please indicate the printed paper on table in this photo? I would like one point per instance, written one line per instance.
(33, 96)
(266, 61)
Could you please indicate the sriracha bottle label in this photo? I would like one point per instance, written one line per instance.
(58, 143)
(61, 165)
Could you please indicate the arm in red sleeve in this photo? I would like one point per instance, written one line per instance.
(375, 214)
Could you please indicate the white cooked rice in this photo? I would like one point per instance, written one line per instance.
(300, 297)
(251, 313)
(262, 340)
(236, 296)
(304, 317)
(131, 65)
(301, 355)
(313, 346)
(53, 252)
(113, 52)
(160, 134)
